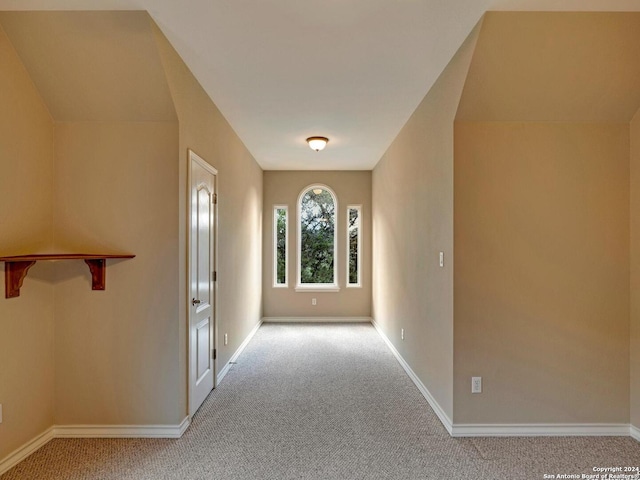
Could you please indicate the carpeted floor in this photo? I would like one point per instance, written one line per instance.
(321, 402)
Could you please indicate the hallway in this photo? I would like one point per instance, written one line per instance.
(320, 401)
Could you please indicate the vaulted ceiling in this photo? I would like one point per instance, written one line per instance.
(351, 70)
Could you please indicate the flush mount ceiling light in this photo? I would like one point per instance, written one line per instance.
(317, 143)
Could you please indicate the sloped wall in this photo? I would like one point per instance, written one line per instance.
(26, 322)
(412, 191)
(554, 66)
(92, 65)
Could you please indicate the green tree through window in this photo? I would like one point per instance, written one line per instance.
(353, 229)
(317, 237)
(281, 246)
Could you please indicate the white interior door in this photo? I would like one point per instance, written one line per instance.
(202, 291)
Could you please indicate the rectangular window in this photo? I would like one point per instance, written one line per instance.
(280, 240)
(354, 245)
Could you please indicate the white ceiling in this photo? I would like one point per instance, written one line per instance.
(351, 70)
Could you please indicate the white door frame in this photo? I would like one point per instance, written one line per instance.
(194, 157)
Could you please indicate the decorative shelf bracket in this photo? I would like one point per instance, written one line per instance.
(16, 268)
(98, 271)
(14, 275)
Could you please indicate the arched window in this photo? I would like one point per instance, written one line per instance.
(317, 239)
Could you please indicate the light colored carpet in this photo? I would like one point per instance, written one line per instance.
(320, 402)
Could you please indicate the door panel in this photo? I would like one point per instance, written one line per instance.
(202, 298)
(205, 247)
(204, 350)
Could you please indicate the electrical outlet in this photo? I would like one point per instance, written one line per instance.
(314, 301)
(442, 259)
(476, 384)
(226, 339)
(402, 333)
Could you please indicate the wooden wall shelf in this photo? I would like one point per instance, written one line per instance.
(16, 268)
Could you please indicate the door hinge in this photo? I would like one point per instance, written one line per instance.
(215, 276)
(215, 198)
(214, 353)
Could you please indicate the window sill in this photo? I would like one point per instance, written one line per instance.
(280, 285)
(317, 288)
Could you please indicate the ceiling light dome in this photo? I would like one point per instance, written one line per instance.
(317, 143)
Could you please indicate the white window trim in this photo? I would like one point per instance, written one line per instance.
(275, 246)
(317, 287)
(359, 267)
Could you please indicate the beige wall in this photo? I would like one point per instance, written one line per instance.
(412, 223)
(117, 185)
(542, 248)
(117, 351)
(26, 322)
(204, 130)
(284, 188)
(94, 65)
(540, 213)
(542, 219)
(635, 270)
(115, 189)
(554, 66)
(26, 152)
(541, 296)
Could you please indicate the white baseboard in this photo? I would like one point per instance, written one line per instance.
(541, 430)
(444, 418)
(234, 357)
(121, 431)
(317, 319)
(510, 430)
(92, 431)
(25, 450)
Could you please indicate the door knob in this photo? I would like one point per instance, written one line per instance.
(195, 301)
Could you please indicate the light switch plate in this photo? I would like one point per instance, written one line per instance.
(476, 384)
